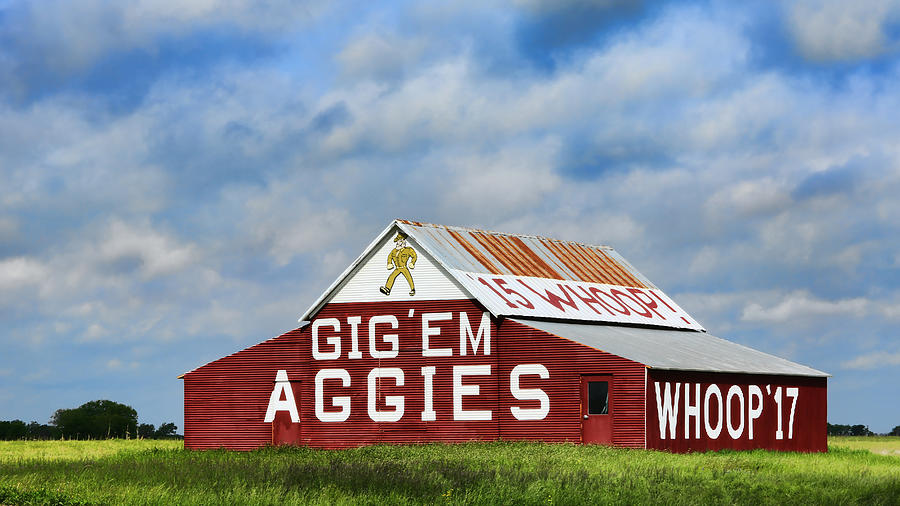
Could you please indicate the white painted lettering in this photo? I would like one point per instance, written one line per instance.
(525, 394)
(734, 391)
(428, 331)
(711, 390)
(754, 393)
(354, 322)
(342, 402)
(460, 390)
(465, 330)
(282, 388)
(388, 338)
(394, 401)
(428, 414)
(792, 392)
(691, 410)
(335, 341)
(779, 434)
(666, 410)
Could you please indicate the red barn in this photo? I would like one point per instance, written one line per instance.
(450, 334)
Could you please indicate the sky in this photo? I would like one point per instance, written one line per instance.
(182, 179)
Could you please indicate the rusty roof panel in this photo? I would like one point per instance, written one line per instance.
(473, 250)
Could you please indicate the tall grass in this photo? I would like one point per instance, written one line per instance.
(519, 473)
(79, 450)
(882, 445)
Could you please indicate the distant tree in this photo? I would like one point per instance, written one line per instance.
(41, 431)
(14, 429)
(146, 430)
(166, 430)
(861, 430)
(17, 429)
(96, 420)
(895, 431)
(838, 430)
(849, 430)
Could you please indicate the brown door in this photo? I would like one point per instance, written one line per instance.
(596, 409)
(284, 431)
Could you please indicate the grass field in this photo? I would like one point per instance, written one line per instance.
(161, 472)
(882, 445)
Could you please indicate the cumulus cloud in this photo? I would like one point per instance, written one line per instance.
(873, 360)
(500, 183)
(153, 253)
(549, 5)
(116, 364)
(749, 198)
(69, 35)
(19, 272)
(380, 56)
(287, 225)
(802, 307)
(836, 30)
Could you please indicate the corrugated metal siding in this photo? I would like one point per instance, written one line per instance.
(810, 413)
(359, 429)
(674, 349)
(567, 361)
(473, 250)
(225, 401)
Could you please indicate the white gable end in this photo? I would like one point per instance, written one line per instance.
(393, 273)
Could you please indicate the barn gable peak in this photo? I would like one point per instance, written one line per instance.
(509, 274)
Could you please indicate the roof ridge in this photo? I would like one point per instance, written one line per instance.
(505, 234)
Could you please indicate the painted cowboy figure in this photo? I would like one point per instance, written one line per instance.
(397, 259)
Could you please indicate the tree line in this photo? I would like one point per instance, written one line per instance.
(857, 430)
(101, 419)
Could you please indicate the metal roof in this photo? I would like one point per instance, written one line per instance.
(673, 349)
(539, 267)
(472, 250)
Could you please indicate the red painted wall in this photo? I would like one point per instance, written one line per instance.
(567, 362)
(226, 400)
(754, 396)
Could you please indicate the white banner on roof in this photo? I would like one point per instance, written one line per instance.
(574, 300)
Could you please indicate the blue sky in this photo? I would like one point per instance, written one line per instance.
(179, 180)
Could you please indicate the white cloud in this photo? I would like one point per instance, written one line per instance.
(837, 30)
(748, 199)
(284, 222)
(95, 332)
(873, 360)
(501, 182)
(115, 364)
(547, 6)
(380, 55)
(19, 272)
(69, 35)
(801, 307)
(158, 254)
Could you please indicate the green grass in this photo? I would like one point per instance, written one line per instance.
(130, 472)
(78, 450)
(882, 445)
